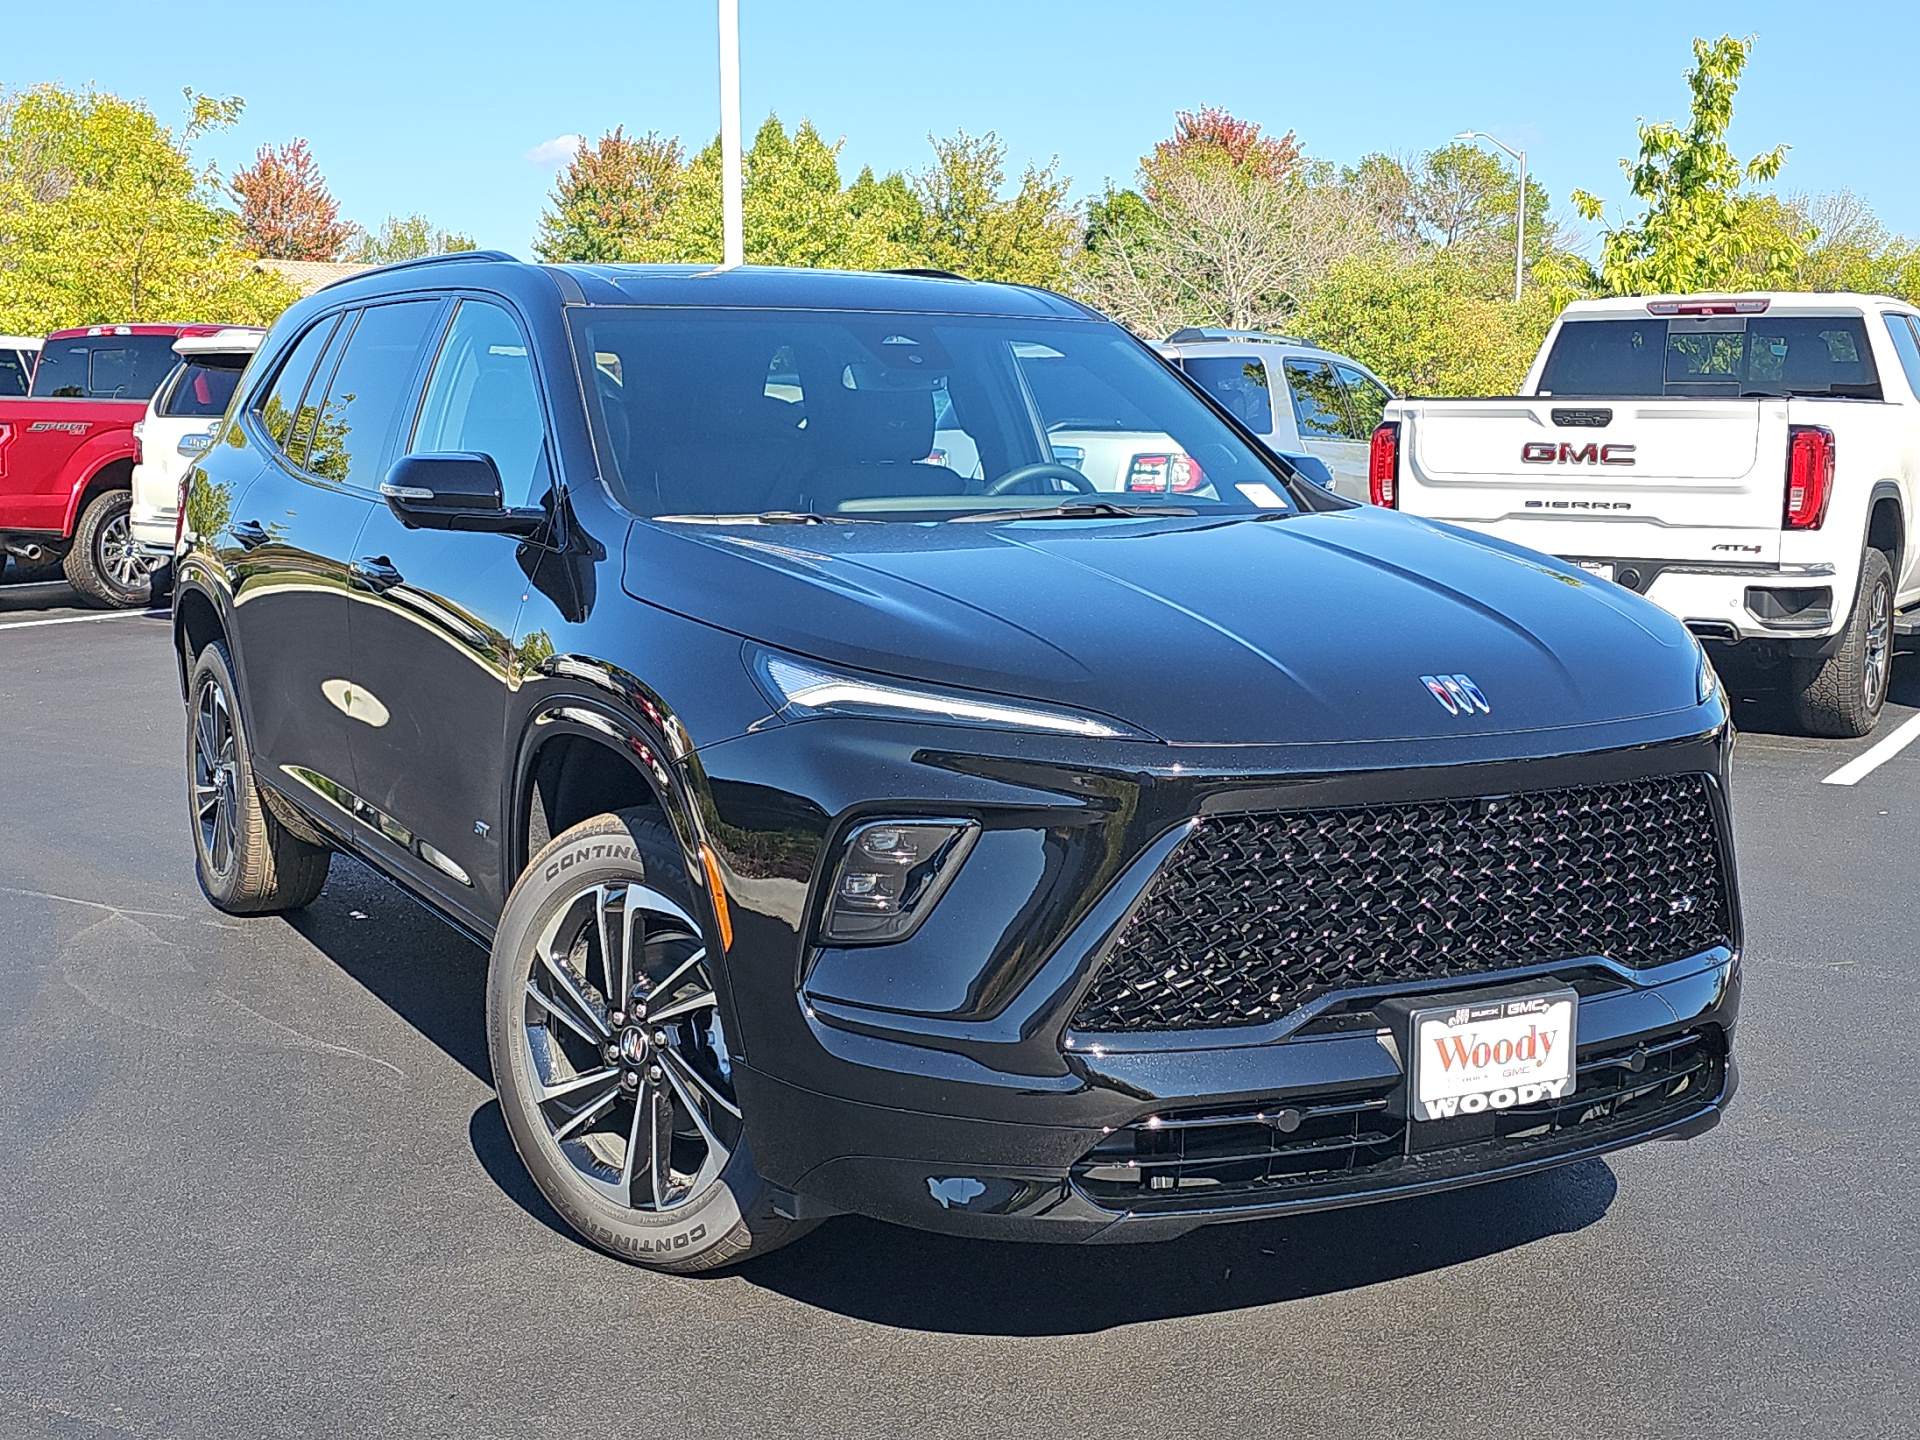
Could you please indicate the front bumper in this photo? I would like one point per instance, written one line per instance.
(938, 1082)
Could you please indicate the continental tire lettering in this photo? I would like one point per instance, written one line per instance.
(648, 1244)
(581, 854)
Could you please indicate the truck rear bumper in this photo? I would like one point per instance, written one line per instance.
(1733, 601)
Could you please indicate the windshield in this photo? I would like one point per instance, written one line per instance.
(879, 416)
(1713, 356)
(103, 367)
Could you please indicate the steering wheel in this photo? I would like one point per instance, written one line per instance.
(1044, 470)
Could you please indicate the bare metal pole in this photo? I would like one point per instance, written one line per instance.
(1519, 209)
(732, 223)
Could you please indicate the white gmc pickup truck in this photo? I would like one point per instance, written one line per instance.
(1748, 462)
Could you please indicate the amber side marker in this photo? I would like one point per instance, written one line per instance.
(719, 892)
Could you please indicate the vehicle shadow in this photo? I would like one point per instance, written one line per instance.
(919, 1281)
(26, 597)
(1763, 703)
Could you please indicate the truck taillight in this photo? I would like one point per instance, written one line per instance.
(1383, 465)
(139, 442)
(1180, 474)
(1809, 475)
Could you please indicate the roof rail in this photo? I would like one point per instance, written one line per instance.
(491, 256)
(1198, 334)
(927, 274)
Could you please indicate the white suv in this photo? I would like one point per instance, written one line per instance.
(178, 427)
(1299, 399)
(17, 354)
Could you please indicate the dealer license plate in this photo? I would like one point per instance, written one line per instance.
(1493, 1054)
(1597, 567)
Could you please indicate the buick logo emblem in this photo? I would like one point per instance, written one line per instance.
(1457, 692)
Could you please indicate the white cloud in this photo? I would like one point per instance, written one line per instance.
(555, 152)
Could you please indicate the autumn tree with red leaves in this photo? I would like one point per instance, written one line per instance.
(1210, 137)
(285, 210)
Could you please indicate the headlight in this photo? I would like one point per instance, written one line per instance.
(802, 689)
(889, 877)
(1705, 681)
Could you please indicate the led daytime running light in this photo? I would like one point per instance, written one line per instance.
(804, 688)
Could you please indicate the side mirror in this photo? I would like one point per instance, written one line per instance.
(1310, 468)
(454, 492)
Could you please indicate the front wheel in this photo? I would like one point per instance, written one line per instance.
(1841, 696)
(104, 564)
(609, 1056)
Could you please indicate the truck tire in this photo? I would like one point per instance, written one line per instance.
(247, 862)
(628, 1125)
(103, 564)
(1841, 696)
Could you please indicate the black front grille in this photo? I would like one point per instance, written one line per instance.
(1253, 915)
(1349, 1143)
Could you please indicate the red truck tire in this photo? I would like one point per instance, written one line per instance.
(103, 564)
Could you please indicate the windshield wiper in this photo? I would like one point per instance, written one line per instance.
(772, 517)
(1086, 510)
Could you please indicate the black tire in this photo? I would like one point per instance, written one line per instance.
(1841, 696)
(103, 564)
(658, 1077)
(247, 861)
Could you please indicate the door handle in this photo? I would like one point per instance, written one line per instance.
(250, 533)
(376, 572)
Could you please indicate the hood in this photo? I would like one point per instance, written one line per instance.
(1311, 628)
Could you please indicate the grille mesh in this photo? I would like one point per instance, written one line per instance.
(1255, 914)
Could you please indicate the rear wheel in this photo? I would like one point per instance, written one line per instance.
(609, 1056)
(105, 565)
(1842, 695)
(247, 861)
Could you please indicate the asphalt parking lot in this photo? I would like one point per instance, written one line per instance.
(253, 1181)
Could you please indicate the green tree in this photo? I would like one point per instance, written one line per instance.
(974, 229)
(611, 197)
(104, 217)
(406, 237)
(1702, 229)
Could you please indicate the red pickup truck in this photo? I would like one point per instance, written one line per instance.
(67, 451)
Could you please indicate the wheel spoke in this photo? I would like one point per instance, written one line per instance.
(694, 1112)
(564, 976)
(563, 1014)
(590, 1113)
(631, 943)
(688, 1071)
(604, 924)
(641, 1104)
(606, 1076)
(664, 986)
(702, 1001)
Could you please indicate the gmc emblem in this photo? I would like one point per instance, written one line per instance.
(1545, 452)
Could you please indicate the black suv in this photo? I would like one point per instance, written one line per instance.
(911, 752)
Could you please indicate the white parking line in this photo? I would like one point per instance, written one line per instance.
(78, 619)
(1862, 766)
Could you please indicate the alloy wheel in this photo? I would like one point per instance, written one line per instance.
(214, 759)
(630, 1069)
(1878, 657)
(120, 559)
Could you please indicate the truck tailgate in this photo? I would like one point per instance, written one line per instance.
(1646, 478)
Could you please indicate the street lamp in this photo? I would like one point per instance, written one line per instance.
(732, 227)
(1519, 210)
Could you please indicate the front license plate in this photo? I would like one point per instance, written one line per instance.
(1493, 1055)
(1596, 567)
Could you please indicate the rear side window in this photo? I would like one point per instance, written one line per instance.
(277, 409)
(1900, 327)
(1713, 356)
(203, 386)
(482, 399)
(1366, 397)
(1238, 384)
(354, 423)
(1318, 406)
(14, 374)
(104, 367)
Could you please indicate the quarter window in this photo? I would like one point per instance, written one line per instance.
(1317, 404)
(1367, 398)
(353, 426)
(1237, 383)
(482, 399)
(282, 400)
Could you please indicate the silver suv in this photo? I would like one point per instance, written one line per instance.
(1298, 398)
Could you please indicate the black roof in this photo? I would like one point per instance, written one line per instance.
(744, 287)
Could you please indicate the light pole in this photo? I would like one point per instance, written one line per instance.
(1519, 210)
(732, 225)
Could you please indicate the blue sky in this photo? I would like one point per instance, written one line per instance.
(435, 108)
